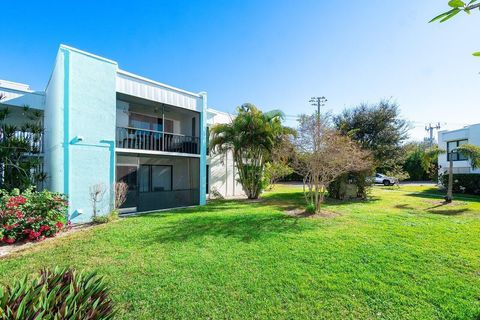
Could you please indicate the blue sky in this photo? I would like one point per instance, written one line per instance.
(275, 54)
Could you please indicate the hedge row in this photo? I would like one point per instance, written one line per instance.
(463, 183)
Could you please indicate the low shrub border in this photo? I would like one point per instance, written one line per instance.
(463, 183)
(31, 215)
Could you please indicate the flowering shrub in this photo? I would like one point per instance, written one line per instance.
(31, 215)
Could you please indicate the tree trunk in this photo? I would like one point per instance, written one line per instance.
(449, 196)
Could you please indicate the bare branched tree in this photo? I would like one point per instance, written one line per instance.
(121, 189)
(97, 192)
(322, 155)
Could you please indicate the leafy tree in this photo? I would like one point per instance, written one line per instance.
(377, 128)
(20, 150)
(274, 171)
(251, 137)
(279, 164)
(458, 6)
(322, 155)
(420, 162)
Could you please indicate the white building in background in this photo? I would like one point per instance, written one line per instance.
(222, 175)
(451, 139)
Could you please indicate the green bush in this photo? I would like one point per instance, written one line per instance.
(463, 183)
(112, 216)
(310, 208)
(58, 294)
(351, 185)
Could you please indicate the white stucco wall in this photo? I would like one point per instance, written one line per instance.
(472, 134)
(223, 174)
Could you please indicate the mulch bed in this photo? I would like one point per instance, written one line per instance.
(6, 250)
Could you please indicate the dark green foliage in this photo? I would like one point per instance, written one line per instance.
(421, 162)
(310, 208)
(377, 128)
(463, 183)
(294, 176)
(58, 294)
(413, 166)
(351, 185)
(20, 149)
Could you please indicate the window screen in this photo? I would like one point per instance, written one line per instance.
(161, 178)
(144, 183)
(155, 178)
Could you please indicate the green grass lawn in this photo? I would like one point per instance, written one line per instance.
(402, 255)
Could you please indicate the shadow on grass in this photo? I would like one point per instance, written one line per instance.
(433, 193)
(246, 227)
(213, 206)
(335, 202)
(404, 206)
(293, 200)
(443, 208)
(449, 212)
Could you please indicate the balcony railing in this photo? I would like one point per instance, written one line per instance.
(26, 141)
(151, 140)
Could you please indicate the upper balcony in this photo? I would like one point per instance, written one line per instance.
(145, 126)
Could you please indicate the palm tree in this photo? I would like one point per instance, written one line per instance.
(469, 150)
(251, 137)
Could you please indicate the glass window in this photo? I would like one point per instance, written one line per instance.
(141, 121)
(161, 178)
(155, 178)
(208, 179)
(208, 141)
(451, 152)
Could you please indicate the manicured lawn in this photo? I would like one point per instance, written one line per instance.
(401, 255)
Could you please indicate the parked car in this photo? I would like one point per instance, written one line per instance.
(383, 179)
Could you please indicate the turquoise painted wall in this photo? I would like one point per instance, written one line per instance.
(203, 148)
(84, 121)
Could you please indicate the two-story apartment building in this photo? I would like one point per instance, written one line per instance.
(448, 140)
(104, 124)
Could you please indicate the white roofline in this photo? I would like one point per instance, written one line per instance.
(455, 130)
(132, 75)
(63, 46)
(29, 91)
(221, 112)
